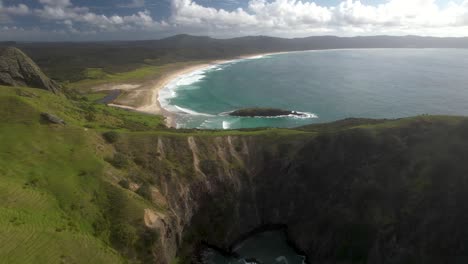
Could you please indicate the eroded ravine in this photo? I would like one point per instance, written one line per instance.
(342, 195)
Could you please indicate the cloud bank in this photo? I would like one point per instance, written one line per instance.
(286, 18)
(350, 17)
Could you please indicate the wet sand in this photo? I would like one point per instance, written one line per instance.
(143, 97)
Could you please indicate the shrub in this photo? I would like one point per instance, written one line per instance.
(90, 117)
(145, 191)
(111, 136)
(124, 235)
(150, 237)
(119, 161)
(124, 184)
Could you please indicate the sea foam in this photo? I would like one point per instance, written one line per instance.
(298, 115)
(226, 125)
(190, 112)
(169, 91)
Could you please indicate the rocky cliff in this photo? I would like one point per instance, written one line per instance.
(111, 187)
(17, 69)
(390, 193)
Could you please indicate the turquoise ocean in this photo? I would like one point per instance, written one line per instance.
(326, 85)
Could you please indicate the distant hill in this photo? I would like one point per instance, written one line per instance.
(67, 60)
(17, 69)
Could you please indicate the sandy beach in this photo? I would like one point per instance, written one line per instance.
(151, 103)
(143, 97)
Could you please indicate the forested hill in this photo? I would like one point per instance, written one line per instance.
(66, 61)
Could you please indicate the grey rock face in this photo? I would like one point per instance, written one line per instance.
(53, 119)
(17, 69)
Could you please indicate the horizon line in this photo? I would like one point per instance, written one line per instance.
(231, 38)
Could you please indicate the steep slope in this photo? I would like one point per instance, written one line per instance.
(17, 69)
(112, 186)
(358, 191)
(58, 200)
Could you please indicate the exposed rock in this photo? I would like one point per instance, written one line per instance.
(153, 219)
(24, 93)
(263, 112)
(346, 197)
(53, 119)
(17, 69)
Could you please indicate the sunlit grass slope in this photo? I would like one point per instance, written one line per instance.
(58, 203)
(61, 200)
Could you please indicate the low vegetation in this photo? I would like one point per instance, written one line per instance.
(76, 61)
(64, 189)
(56, 203)
(77, 192)
(98, 76)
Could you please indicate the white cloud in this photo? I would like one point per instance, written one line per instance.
(6, 11)
(134, 4)
(296, 17)
(56, 3)
(3, 17)
(189, 13)
(287, 18)
(19, 9)
(64, 10)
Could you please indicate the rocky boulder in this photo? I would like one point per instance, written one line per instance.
(52, 119)
(17, 69)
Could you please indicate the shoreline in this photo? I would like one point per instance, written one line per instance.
(154, 106)
(148, 92)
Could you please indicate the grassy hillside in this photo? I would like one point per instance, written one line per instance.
(146, 71)
(60, 198)
(80, 192)
(59, 202)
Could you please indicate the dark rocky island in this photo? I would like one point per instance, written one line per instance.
(263, 112)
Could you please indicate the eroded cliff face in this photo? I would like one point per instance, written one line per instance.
(207, 184)
(355, 196)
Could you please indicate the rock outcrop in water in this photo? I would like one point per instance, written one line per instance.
(17, 69)
(393, 193)
(263, 112)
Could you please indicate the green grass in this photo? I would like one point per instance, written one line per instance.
(365, 123)
(59, 197)
(97, 76)
(56, 203)
(80, 112)
(92, 97)
(48, 206)
(95, 73)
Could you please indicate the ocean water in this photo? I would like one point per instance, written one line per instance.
(327, 85)
(268, 247)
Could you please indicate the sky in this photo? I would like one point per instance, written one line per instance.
(85, 20)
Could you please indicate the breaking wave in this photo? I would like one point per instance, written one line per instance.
(189, 112)
(184, 80)
(186, 117)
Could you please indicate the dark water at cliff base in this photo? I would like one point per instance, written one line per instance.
(269, 247)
